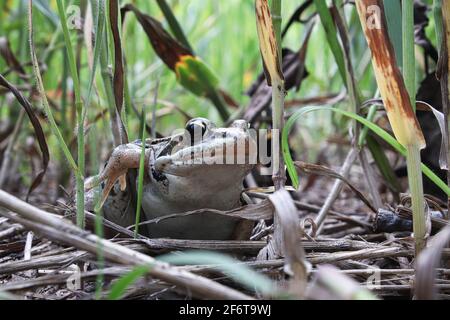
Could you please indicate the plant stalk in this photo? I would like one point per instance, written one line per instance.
(278, 171)
(140, 174)
(109, 93)
(79, 110)
(417, 199)
(219, 103)
(392, 10)
(278, 94)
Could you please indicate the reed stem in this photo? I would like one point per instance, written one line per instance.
(79, 110)
(417, 199)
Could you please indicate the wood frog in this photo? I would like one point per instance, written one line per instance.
(197, 168)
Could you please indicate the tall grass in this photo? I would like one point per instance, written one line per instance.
(413, 150)
(80, 114)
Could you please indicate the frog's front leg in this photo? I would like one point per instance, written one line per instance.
(123, 157)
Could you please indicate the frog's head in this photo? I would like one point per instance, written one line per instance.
(200, 155)
(203, 149)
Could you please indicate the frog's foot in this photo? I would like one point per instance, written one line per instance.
(124, 157)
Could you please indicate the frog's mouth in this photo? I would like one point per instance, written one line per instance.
(221, 152)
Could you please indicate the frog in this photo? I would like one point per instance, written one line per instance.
(200, 167)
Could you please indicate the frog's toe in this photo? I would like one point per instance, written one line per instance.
(124, 157)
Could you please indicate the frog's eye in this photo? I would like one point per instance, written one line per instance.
(195, 127)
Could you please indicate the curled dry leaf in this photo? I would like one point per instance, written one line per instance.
(191, 72)
(118, 67)
(167, 48)
(427, 263)
(441, 121)
(290, 244)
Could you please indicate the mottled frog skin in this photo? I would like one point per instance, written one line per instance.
(200, 167)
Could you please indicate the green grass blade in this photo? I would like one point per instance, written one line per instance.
(108, 89)
(173, 24)
(7, 296)
(121, 285)
(2, 28)
(69, 47)
(44, 7)
(239, 272)
(79, 111)
(372, 126)
(99, 15)
(383, 164)
(409, 59)
(378, 154)
(331, 34)
(439, 27)
(393, 10)
(140, 175)
(275, 10)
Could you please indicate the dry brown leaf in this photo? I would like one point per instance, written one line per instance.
(290, 246)
(118, 68)
(267, 41)
(389, 79)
